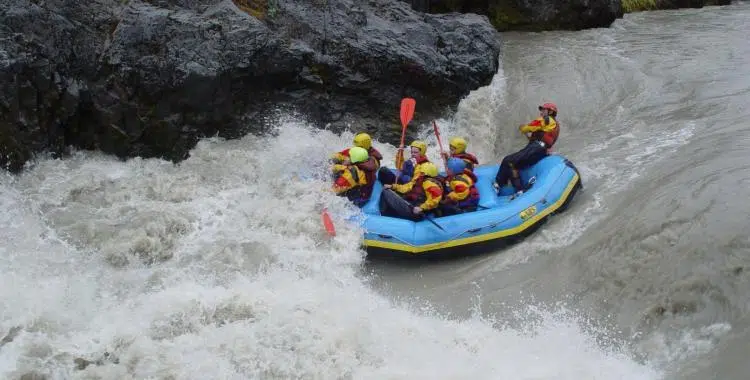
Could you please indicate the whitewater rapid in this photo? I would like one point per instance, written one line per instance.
(218, 267)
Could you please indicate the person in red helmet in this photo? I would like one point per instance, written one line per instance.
(542, 133)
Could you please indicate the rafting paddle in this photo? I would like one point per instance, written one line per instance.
(328, 223)
(407, 113)
(407, 206)
(440, 145)
(429, 219)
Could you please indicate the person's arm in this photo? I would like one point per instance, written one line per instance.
(460, 192)
(403, 188)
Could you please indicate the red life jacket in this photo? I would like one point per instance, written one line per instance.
(375, 154)
(548, 138)
(470, 159)
(416, 195)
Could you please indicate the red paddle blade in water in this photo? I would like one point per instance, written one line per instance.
(328, 223)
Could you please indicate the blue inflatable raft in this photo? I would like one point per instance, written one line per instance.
(498, 221)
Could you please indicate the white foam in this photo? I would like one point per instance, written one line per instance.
(242, 282)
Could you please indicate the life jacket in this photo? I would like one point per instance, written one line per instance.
(548, 137)
(469, 179)
(356, 194)
(420, 160)
(469, 158)
(369, 170)
(370, 177)
(416, 195)
(374, 153)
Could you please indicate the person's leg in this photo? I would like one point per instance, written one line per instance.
(391, 204)
(529, 155)
(504, 173)
(386, 176)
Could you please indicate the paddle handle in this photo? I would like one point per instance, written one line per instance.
(400, 151)
(440, 145)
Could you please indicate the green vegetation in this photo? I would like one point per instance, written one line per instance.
(255, 8)
(504, 16)
(629, 6)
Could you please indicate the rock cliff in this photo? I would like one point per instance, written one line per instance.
(149, 78)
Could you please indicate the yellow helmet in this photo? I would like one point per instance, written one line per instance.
(419, 145)
(458, 144)
(363, 140)
(429, 169)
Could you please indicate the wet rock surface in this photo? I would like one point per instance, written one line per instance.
(150, 78)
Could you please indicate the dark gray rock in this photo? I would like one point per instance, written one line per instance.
(675, 4)
(42, 54)
(149, 78)
(532, 15)
(538, 15)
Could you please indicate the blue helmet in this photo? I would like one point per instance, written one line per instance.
(456, 165)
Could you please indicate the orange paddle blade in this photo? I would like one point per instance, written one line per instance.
(328, 223)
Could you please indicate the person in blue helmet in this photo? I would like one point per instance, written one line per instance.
(461, 194)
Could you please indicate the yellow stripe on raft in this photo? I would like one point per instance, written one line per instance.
(480, 238)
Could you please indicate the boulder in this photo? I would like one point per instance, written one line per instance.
(150, 78)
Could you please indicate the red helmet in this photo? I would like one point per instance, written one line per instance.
(550, 106)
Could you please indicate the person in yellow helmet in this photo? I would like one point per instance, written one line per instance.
(415, 198)
(351, 181)
(418, 151)
(457, 146)
(369, 166)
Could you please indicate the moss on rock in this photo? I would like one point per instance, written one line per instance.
(629, 6)
(255, 8)
(505, 16)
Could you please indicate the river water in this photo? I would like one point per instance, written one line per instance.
(218, 267)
